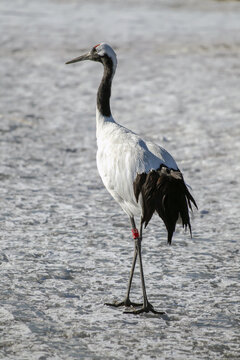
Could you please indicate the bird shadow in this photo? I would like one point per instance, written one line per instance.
(150, 315)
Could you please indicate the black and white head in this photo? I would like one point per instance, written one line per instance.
(102, 53)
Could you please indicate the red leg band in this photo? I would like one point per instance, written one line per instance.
(135, 233)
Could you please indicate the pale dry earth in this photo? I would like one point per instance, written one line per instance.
(65, 245)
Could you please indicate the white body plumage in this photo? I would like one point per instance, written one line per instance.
(121, 155)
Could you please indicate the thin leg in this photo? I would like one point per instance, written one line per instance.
(134, 230)
(146, 304)
(127, 301)
(132, 272)
(139, 250)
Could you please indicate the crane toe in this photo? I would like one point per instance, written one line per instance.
(145, 309)
(126, 302)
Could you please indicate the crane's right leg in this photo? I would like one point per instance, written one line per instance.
(127, 301)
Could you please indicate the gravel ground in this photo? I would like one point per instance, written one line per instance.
(66, 246)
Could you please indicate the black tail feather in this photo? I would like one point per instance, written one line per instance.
(164, 191)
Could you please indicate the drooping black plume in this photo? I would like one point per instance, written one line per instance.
(165, 192)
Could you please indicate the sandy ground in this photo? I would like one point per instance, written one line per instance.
(65, 245)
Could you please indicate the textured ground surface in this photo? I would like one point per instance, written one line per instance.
(65, 246)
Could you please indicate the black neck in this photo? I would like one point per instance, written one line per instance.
(104, 90)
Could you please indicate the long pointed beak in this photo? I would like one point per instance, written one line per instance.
(79, 58)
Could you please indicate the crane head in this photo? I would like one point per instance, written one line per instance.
(98, 53)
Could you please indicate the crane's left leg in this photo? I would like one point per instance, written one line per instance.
(127, 302)
(146, 304)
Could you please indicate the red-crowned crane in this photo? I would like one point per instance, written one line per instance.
(140, 175)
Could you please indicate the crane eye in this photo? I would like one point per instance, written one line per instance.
(94, 49)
